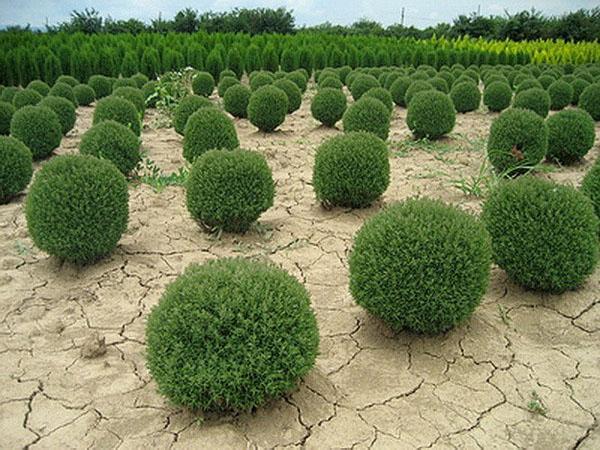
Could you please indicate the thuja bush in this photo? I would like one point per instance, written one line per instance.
(466, 97)
(535, 99)
(140, 79)
(561, 94)
(6, 113)
(518, 141)
(68, 79)
(64, 90)
(430, 114)
(529, 83)
(245, 330)
(203, 84)
(267, 108)
(84, 94)
(300, 78)
(235, 100)
(114, 142)
(225, 84)
(591, 186)
(41, 87)
(416, 86)
(64, 109)
(544, 235)
(123, 82)
(101, 85)
(26, 97)
(383, 95)
(328, 106)
(368, 114)
(398, 89)
(227, 73)
(403, 266)
(439, 84)
(351, 169)
(229, 190)
(38, 128)
(497, 96)
(149, 89)
(16, 168)
(571, 134)
(578, 85)
(208, 129)
(260, 79)
(589, 100)
(77, 208)
(293, 93)
(8, 94)
(331, 82)
(361, 84)
(120, 110)
(187, 106)
(134, 95)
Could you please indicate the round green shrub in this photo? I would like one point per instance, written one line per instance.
(328, 106)
(351, 170)
(465, 96)
(439, 84)
(267, 108)
(140, 79)
(245, 330)
(26, 97)
(260, 79)
(591, 186)
(225, 84)
(544, 235)
(64, 109)
(420, 265)
(235, 100)
(383, 95)
(529, 83)
(16, 168)
(571, 134)
(416, 86)
(8, 94)
(361, 84)
(84, 94)
(561, 94)
(534, 99)
(149, 90)
(546, 81)
(123, 82)
(227, 73)
(589, 100)
(203, 84)
(134, 95)
(430, 114)
(208, 129)
(293, 93)
(229, 190)
(112, 141)
(101, 85)
(518, 140)
(67, 79)
(6, 112)
(300, 78)
(497, 96)
(77, 208)
(118, 109)
(398, 90)
(38, 128)
(368, 114)
(64, 90)
(186, 107)
(579, 85)
(39, 86)
(331, 82)
(326, 73)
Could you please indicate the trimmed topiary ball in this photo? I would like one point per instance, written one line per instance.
(101, 85)
(589, 100)
(383, 95)
(84, 94)
(208, 129)
(430, 114)
(26, 97)
(416, 86)
(39, 86)
(6, 112)
(112, 141)
(368, 114)
(8, 94)
(300, 78)
(497, 96)
(235, 100)
(403, 267)
(398, 90)
(64, 90)
(16, 168)
(561, 94)
(330, 82)
(77, 208)
(351, 169)
(140, 79)
(465, 96)
(38, 128)
(267, 108)
(534, 99)
(260, 79)
(229, 190)
(571, 134)
(120, 110)
(225, 84)
(123, 82)
(203, 84)
(591, 186)
(529, 83)
(134, 95)
(518, 140)
(68, 79)
(293, 93)
(186, 107)
(244, 328)
(361, 84)
(579, 85)
(64, 109)
(328, 106)
(544, 235)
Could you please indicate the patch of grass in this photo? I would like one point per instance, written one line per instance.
(536, 406)
(21, 248)
(503, 313)
(149, 173)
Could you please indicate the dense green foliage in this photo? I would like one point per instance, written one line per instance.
(571, 134)
(430, 114)
(101, 85)
(414, 87)
(203, 84)
(361, 84)
(398, 90)
(120, 110)
(497, 96)
(16, 168)
(134, 95)
(267, 108)
(64, 90)
(260, 79)
(64, 109)
(38, 128)
(185, 108)
(39, 86)
(235, 100)
(208, 129)
(465, 96)
(589, 100)
(383, 95)
(328, 106)
(368, 114)
(293, 93)
(225, 84)
(84, 94)
(6, 112)
(534, 99)
(561, 94)
(591, 186)
(26, 97)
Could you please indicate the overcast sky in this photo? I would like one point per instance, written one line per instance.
(420, 13)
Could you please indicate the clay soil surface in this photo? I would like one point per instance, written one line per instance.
(523, 372)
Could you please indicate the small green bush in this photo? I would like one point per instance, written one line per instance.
(235, 100)
(225, 84)
(229, 190)
(64, 90)
(589, 100)
(208, 129)
(227, 73)
(300, 78)
(497, 96)
(245, 330)
(39, 86)
(561, 94)
(591, 186)
(101, 85)
(398, 90)
(383, 95)
(68, 79)
(149, 90)
(368, 114)
(6, 113)
(260, 79)
(331, 82)
(416, 86)
(579, 85)
(123, 82)
(351, 169)
(140, 79)
(8, 94)
(112, 141)
(38, 128)
(26, 97)
(361, 84)
(16, 168)
(77, 208)
(328, 106)
(64, 109)
(293, 93)
(420, 265)
(518, 140)
(546, 81)
(571, 134)
(465, 96)
(544, 235)
(186, 107)
(84, 94)
(529, 83)
(534, 99)
(430, 114)
(203, 84)
(120, 110)
(267, 108)
(134, 95)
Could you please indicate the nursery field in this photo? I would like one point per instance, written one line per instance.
(521, 372)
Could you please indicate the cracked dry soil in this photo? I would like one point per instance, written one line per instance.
(73, 371)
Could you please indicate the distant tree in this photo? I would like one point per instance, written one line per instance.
(186, 21)
(87, 21)
(525, 25)
(131, 26)
(159, 25)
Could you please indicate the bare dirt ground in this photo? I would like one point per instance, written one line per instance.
(522, 373)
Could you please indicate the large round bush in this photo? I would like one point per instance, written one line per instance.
(361, 84)
(120, 110)
(77, 208)
(203, 84)
(382, 95)
(6, 113)
(64, 109)
(416, 86)
(398, 89)
(134, 95)
(235, 100)
(63, 90)
(101, 85)
(231, 334)
(84, 94)
(328, 106)
(534, 99)
(571, 135)
(26, 97)
(368, 114)
(38, 128)
(186, 107)
(544, 235)
(497, 96)
(16, 168)
(420, 265)
(589, 100)
(430, 114)
(260, 79)
(293, 93)
(561, 94)
(225, 84)
(41, 87)
(208, 129)
(267, 108)
(465, 96)
(229, 190)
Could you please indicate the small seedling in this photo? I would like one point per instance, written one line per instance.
(536, 406)
(149, 173)
(503, 313)
(21, 248)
